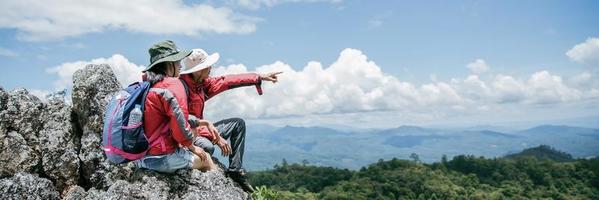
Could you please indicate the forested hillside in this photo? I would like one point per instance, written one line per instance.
(520, 176)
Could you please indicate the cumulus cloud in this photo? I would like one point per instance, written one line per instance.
(37, 20)
(547, 88)
(256, 4)
(479, 66)
(354, 84)
(586, 52)
(125, 71)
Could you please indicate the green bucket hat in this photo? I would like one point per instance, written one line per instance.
(165, 51)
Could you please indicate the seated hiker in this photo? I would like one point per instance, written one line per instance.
(166, 114)
(201, 87)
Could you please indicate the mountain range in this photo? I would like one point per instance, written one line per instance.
(268, 145)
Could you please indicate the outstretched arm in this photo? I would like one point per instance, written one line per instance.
(216, 85)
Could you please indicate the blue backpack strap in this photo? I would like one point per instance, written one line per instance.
(143, 100)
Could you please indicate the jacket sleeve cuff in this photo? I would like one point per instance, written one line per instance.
(259, 89)
(258, 84)
(186, 143)
(203, 131)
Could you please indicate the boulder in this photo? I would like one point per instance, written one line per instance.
(184, 184)
(20, 123)
(93, 87)
(59, 143)
(27, 186)
(22, 114)
(3, 103)
(15, 154)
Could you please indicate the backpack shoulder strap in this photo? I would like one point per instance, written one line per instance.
(186, 89)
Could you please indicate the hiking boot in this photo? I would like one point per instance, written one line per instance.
(240, 177)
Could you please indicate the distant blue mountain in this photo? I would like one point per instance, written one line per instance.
(494, 134)
(553, 129)
(407, 141)
(267, 145)
(408, 130)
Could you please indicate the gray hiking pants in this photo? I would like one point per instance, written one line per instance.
(232, 129)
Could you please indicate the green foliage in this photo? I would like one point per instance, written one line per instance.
(299, 176)
(463, 177)
(263, 193)
(544, 152)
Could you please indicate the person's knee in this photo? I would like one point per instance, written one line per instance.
(209, 149)
(205, 144)
(240, 123)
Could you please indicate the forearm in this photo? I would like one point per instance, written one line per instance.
(220, 84)
(214, 137)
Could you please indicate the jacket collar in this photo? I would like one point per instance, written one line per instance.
(190, 82)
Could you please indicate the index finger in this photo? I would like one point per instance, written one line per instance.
(277, 73)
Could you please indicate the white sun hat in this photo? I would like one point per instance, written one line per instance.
(198, 60)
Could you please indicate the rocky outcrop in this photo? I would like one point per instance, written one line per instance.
(92, 89)
(20, 123)
(59, 143)
(27, 186)
(51, 150)
(185, 184)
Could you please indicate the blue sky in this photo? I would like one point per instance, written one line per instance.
(416, 42)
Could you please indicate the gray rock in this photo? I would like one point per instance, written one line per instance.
(211, 185)
(185, 184)
(148, 188)
(3, 99)
(27, 186)
(3, 102)
(93, 87)
(15, 154)
(22, 114)
(74, 192)
(59, 144)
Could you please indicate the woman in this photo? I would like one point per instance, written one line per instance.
(166, 114)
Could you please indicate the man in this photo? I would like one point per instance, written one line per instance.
(166, 114)
(201, 87)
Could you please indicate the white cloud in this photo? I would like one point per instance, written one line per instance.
(7, 52)
(547, 88)
(354, 84)
(37, 20)
(355, 89)
(507, 89)
(586, 52)
(125, 71)
(479, 66)
(256, 4)
(41, 94)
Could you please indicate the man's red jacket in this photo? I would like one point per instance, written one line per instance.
(199, 93)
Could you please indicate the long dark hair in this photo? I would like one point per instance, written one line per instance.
(157, 73)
